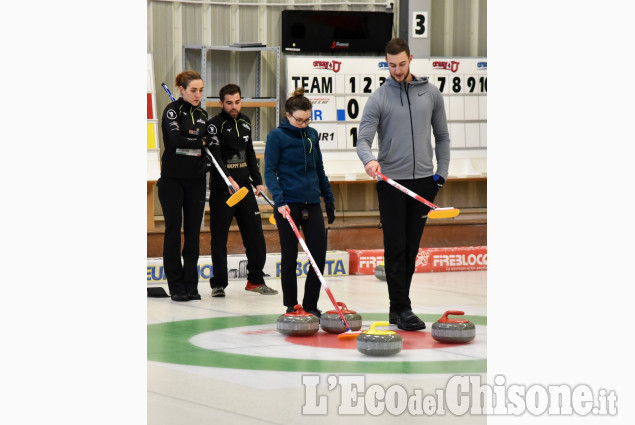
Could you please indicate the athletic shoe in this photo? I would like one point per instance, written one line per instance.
(408, 321)
(261, 289)
(196, 296)
(290, 309)
(179, 297)
(393, 318)
(315, 312)
(218, 292)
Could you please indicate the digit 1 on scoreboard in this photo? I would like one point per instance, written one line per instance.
(482, 82)
(352, 84)
(351, 136)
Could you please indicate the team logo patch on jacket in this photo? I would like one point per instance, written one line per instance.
(211, 129)
(171, 114)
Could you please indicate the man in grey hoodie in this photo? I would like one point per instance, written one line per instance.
(404, 112)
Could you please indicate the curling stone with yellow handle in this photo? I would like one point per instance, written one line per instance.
(380, 271)
(378, 342)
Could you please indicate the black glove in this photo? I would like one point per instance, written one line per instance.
(439, 181)
(330, 212)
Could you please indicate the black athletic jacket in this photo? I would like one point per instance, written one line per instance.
(233, 149)
(183, 127)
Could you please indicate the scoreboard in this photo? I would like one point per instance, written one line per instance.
(339, 88)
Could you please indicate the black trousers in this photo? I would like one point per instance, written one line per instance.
(403, 220)
(315, 238)
(183, 204)
(248, 219)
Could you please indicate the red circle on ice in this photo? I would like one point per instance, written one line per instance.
(411, 341)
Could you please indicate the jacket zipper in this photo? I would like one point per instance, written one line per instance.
(412, 133)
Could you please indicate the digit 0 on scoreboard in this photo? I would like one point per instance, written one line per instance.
(355, 107)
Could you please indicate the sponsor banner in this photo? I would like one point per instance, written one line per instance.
(336, 265)
(428, 259)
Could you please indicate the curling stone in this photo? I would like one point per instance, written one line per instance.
(298, 323)
(380, 271)
(331, 321)
(375, 342)
(453, 330)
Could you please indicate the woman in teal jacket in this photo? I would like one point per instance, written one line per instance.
(294, 174)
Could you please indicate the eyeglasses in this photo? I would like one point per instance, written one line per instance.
(306, 121)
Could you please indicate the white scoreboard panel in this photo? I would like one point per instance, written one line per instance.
(339, 88)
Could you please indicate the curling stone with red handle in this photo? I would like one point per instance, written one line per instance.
(374, 342)
(453, 330)
(298, 323)
(331, 321)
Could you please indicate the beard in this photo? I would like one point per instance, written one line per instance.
(402, 78)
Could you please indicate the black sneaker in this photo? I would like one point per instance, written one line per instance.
(196, 296)
(408, 321)
(218, 292)
(393, 318)
(290, 309)
(180, 297)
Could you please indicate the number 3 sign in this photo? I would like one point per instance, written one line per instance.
(419, 25)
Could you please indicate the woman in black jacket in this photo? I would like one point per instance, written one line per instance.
(181, 187)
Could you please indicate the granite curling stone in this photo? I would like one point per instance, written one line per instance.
(453, 330)
(375, 342)
(298, 323)
(331, 321)
(380, 271)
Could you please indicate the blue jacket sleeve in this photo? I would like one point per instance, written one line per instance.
(272, 162)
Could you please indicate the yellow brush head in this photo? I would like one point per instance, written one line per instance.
(237, 197)
(272, 219)
(444, 213)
